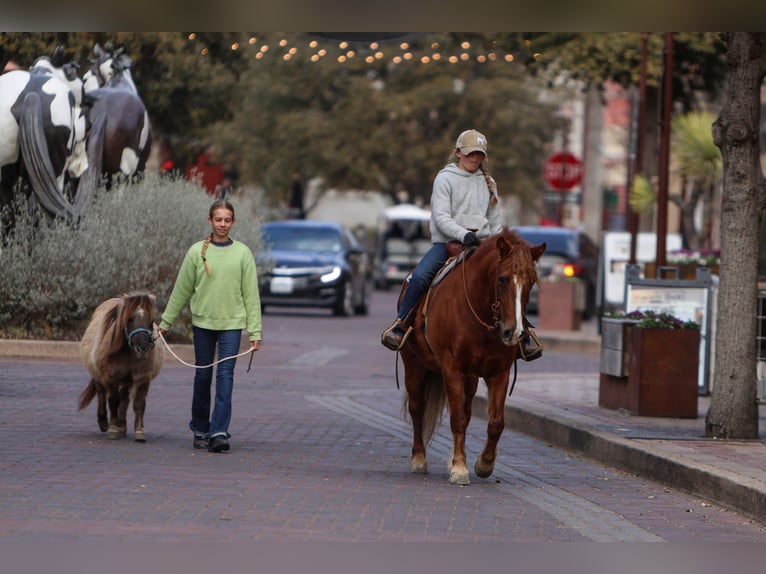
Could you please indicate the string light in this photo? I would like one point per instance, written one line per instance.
(374, 52)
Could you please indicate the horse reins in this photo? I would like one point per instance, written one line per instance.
(495, 315)
(495, 306)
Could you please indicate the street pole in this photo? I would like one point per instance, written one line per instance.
(662, 196)
(638, 165)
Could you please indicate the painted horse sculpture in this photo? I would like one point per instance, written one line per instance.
(119, 134)
(468, 326)
(42, 138)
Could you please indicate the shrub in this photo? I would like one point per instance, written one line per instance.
(130, 238)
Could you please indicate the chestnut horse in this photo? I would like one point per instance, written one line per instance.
(118, 351)
(468, 326)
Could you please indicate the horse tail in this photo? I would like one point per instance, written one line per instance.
(89, 180)
(434, 398)
(87, 395)
(34, 149)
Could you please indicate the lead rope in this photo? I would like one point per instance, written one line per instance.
(180, 360)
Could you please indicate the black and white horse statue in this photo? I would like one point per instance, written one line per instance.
(42, 138)
(120, 134)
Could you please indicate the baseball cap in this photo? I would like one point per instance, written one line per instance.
(470, 141)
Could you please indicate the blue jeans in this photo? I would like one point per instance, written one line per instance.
(205, 341)
(422, 276)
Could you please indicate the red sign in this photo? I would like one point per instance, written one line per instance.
(562, 171)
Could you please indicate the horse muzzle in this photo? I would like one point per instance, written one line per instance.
(510, 337)
(140, 341)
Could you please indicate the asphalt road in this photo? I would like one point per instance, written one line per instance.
(319, 454)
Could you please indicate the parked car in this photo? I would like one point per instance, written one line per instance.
(403, 239)
(311, 263)
(569, 253)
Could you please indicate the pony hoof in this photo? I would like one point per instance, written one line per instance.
(419, 467)
(461, 479)
(139, 436)
(483, 472)
(114, 433)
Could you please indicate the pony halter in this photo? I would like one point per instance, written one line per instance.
(139, 351)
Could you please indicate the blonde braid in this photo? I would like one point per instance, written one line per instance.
(205, 245)
(490, 185)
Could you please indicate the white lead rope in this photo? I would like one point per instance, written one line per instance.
(180, 360)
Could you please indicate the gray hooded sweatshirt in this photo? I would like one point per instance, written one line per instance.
(460, 202)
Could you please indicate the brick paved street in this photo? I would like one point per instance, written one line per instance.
(319, 453)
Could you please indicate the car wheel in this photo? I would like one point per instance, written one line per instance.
(344, 305)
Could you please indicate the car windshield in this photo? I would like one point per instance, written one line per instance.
(302, 239)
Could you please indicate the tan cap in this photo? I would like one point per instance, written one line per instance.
(470, 141)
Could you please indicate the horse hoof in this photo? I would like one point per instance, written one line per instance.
(103, 426)
(459, 478)
(114, 433)
(419, 467)
(483, 472)
(139, 436)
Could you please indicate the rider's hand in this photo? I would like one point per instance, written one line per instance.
(471, 240)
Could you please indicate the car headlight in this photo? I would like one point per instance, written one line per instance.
(333, 275)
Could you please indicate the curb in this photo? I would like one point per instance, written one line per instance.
(729, 489)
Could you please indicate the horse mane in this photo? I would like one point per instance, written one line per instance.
(522, 265)
(118, 317)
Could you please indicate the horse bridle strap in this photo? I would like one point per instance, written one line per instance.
(495, 305)
(129, 336)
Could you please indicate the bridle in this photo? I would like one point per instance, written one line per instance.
(495, 305)
(139, 351)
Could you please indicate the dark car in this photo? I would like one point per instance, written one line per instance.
(314, 264)
(569, 253)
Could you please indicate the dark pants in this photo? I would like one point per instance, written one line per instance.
(422, 276)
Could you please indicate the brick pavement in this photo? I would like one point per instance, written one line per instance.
(320, 452)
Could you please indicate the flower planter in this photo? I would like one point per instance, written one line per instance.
(686, 271)
(661, 376)
(615, 344)
(559, 307)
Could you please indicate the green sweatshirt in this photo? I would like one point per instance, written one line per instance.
(226, 299)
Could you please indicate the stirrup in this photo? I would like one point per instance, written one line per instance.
(395, 346)
(537, 350)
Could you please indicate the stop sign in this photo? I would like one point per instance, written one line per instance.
(562, 171)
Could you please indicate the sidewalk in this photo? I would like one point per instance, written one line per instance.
(563, 411)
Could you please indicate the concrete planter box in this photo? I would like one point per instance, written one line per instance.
(615, 344)
(560, 305)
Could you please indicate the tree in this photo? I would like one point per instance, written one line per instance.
(383, 126)
(733, 409)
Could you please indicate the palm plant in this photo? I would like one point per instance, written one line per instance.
(700, 166)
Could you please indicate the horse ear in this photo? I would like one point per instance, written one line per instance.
(538, 251)
(503, 246)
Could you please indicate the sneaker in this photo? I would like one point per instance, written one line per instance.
(218, 444)
(201, 442)
(393, 337)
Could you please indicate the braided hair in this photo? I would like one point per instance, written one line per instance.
(491, 186)
(217, 204)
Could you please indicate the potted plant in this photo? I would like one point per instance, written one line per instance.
(659, 356)
(561, 303)
(687, 261)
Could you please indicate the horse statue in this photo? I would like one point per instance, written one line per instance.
(119, 133)
(42, 139)
(118, 351)
(469, 325)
